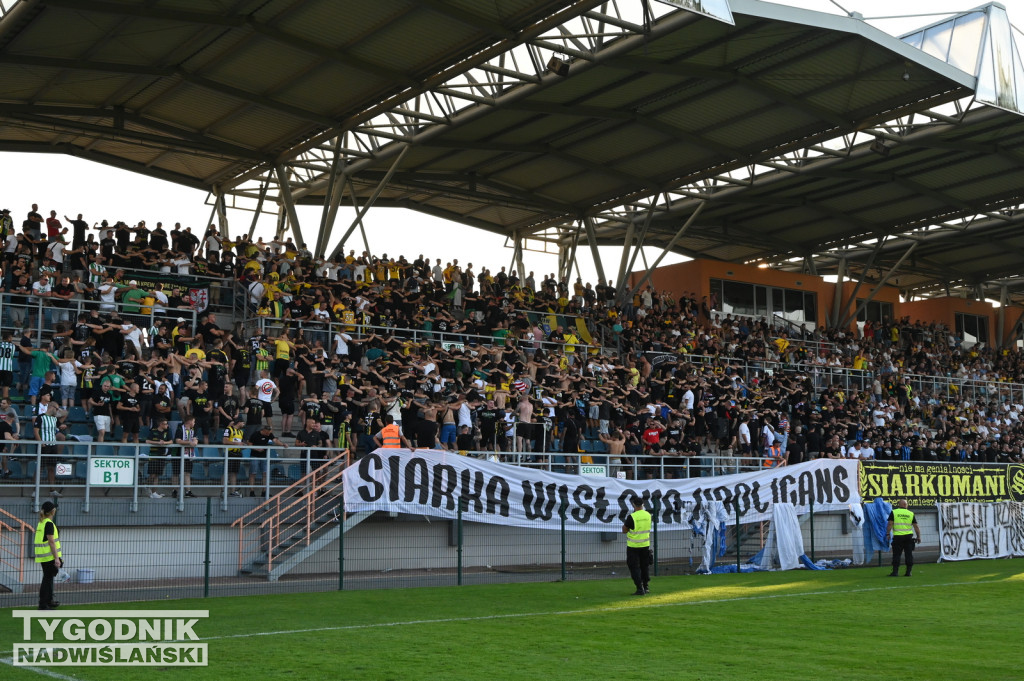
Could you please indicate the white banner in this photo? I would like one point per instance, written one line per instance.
(969, 530)
(430, 482)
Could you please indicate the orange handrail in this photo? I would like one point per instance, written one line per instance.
(16, 532)
(289, 513)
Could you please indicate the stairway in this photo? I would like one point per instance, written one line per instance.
(15, 540)
(294, 524)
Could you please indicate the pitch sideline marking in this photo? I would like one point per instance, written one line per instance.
(587, 611)
(40, 670)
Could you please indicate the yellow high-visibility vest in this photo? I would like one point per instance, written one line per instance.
(43, 553)
(640, 535)
(902, 521)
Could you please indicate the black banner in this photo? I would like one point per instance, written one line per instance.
(925, 484)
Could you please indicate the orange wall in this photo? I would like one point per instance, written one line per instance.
(694, 278)
(944, 310)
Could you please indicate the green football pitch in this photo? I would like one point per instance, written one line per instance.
(949, 621)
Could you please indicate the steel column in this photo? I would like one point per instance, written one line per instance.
(1004, 300)
(668, 247)
(638, 249)
(373, 198)
(592, 238)
(885, 279)
(259, 205)
(860, 280)
(289, 202)
(335, 190)
(837, 299)
(222, 213)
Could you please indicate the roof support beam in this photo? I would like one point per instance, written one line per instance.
(592, 239)
(373, 198)
(259, 205)
(837, 298)
(668, 248)
(222, 213)
(332, 199)
(170, 72)
(878, 287)
(863, 274)
(285, 186)
(236, 21)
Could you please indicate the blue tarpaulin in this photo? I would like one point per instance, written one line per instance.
(876, 518)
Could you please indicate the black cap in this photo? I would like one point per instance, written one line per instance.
(48, 506)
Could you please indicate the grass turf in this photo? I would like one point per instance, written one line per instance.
(949, 621)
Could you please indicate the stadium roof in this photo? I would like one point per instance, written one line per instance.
(744, 131)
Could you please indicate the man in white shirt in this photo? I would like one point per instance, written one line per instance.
(108, 291)
(266, 391)
(341, 341)
(688, 404)
(866, 451)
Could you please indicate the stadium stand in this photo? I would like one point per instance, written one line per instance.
(541, 367)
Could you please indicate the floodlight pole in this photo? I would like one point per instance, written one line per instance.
(373, 198)
(289, 203)
(668, 248)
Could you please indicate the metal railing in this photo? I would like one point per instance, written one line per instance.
(19, 312)
(80, 465)
(15, 538)
(324, 331)
(292, 518)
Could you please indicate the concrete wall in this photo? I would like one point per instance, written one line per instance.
(383, 544)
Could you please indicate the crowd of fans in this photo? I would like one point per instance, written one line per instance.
(464, 359)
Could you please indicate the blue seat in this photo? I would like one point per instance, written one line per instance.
(80, 429)
(198, 471)
(80, 470)
(31, 472)
(167, 472)
(17, 471)
(294, 472)
(28, 411)
(103, 450)
(77, 414)
(215, 471)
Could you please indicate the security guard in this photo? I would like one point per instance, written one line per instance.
(390, 436)
(905, 534)
(637, 529)
(48, 554)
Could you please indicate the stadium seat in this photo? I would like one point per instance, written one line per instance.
(294, 472)
(77, 415)
(215, 471)
(80, 470)
(17, 470)
(80, 429)
(198, 471)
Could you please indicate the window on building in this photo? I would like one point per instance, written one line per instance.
(875, 311)
(972, 328)
(773, 302)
